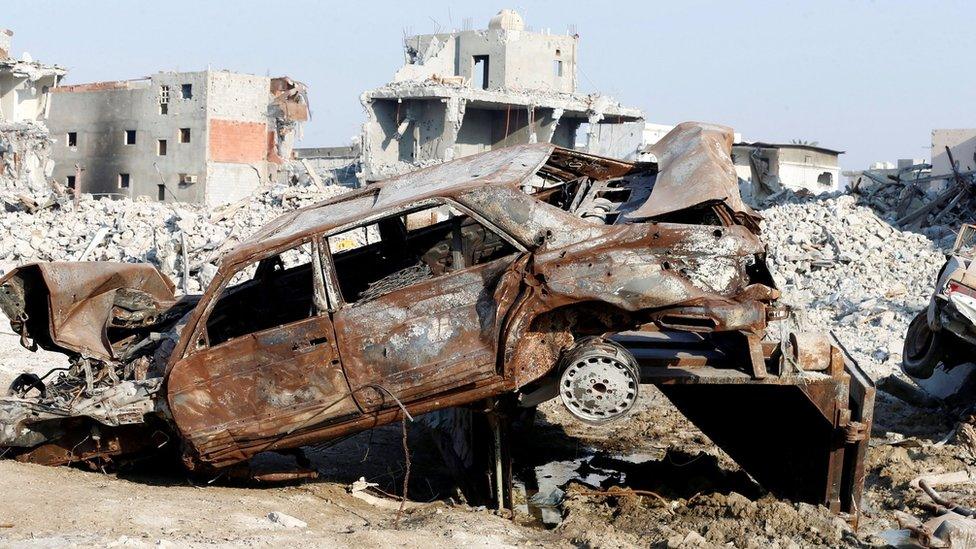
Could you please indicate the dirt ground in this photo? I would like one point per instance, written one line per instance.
(706, 501)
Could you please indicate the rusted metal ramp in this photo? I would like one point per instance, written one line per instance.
(800, 428)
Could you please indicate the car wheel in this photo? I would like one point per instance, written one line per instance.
(923, 348)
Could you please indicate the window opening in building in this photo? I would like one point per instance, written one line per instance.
(70, 181)
(164, 100)
(480, 73)
(184, 135)
(186, 91)
(161, 147)
(123, 181)
(161, 192)
(72, 139)
(130, 137)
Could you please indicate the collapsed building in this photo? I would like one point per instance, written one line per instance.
(208, 137)
(472, 91)
(25, 91)
(935, 197)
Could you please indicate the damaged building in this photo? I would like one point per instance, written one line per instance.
(472, 91)
(25, 98)
(209, 137)
(961, 144)
(770, 167)
(25, 84)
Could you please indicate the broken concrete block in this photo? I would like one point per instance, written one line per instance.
(287, 521)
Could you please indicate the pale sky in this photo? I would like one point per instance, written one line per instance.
(870, 78)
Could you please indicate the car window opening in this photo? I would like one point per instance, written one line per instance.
(272, 292)
(408, 248)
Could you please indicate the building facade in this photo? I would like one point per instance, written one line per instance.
(771, 166)
(471, 91)
(209, 137)
(962, 144)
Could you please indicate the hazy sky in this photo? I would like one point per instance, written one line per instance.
(871, 78)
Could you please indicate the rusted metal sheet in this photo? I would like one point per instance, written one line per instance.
(78, 300)
(695, 168)
(802, 435)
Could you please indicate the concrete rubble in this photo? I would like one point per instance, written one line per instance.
(143, 230)
(843, 268)
(916, 197)
(25, 163)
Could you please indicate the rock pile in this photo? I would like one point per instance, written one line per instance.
(845, 269)
(141, 230)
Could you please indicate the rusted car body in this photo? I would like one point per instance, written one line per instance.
(454, 284)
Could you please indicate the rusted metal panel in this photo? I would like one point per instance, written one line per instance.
(422, 339)
(695, 168)
(80, 298)
(803, 435)
(260, 386)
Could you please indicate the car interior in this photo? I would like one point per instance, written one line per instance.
(415, 246)
(276, 294)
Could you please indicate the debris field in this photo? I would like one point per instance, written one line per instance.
(839, 265)
(499, 336)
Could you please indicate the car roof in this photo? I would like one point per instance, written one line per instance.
(508, 166)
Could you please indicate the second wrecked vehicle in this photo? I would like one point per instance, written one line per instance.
(530, 271)
(940, 344)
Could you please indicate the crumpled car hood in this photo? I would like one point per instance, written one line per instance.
(695, 168)
(68, 306)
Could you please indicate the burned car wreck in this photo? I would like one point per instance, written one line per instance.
(513, 276)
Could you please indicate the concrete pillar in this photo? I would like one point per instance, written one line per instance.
(592, 139)
(453, 118)
(548, 122)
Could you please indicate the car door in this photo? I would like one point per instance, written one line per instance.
(269, 366)
(418, 336)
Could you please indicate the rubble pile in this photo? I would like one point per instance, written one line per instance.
(25, 163)
(932, 205)
(145, 231)
(845, 269)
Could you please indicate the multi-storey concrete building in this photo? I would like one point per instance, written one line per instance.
(470, 91)
(209, 136)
